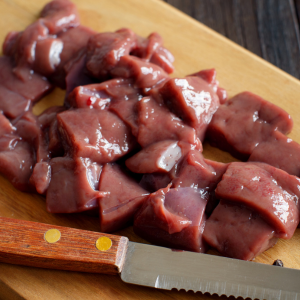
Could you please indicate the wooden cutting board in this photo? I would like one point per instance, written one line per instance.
(195, 47)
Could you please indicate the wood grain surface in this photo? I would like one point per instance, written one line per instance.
(268, 28)
(195, 47)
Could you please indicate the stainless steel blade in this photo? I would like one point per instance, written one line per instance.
(166, 269)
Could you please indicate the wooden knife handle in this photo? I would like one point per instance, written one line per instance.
(32, 244)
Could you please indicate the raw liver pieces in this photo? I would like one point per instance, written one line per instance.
(124, 197)
(126, 129)
(16, 161)
(258, 205)
(237, 231)
(159, 157)
(151, 50)
(104, 51)
(210, 76)
(199, 173)
(279, 151)
(59, 15)
(95, 134)
(243, 122)
(173, 218)
(157, 123)
(191, 99)
(73, 186)
(31, 87)
(143, 74)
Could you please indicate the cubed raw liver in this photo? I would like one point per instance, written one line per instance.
(73, 185)
(173, 218)
(243, 122)
(124, 197)
(191, 99)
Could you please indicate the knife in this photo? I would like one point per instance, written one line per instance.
(56, 247)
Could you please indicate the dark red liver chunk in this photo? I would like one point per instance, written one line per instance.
(5, 126)
(22, 48)
(196, 172)
(96, 134)
(76, 74)
(210, 76)
(40, 177)
(159, 157)
(73, 185)
(143, 74)
(74, 46)
(16, 161)
(116, 95)
(191, 99)
(271, 192)
(104, 51)
(13, 104)
(59, 15)
(151, 49)
(157, 123)
(47, 55)
(33, 87)
(155, 181)
(237, 231)
(243, 122)
(50, 134)
(173, 218)
(29, 129)
(279, 151)
(124, 197)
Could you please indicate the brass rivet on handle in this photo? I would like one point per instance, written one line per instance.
(52, 235)
(103, 243)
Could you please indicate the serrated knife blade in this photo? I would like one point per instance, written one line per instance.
(49, 246)
(164, 268)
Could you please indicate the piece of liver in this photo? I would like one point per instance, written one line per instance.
(155, 181)
(73, 185)
(13, 104)
(116, 95)
(193, 100)
(151, 50)
(243, 122)
(47, 55)
(74, 46)
(23, 51)
(16, 161)
(60, 15)
(170, 127)
(96, 134)
(40, 177)
(76, 74)
(269, 191)
(32, 87)
(238, 232)
(199, 173)
(124, 197)
(104, 51)
(51, 137)
(278, 151)
(144, 75)
(5, 126)
(210, 76)
(158, 157)
(29, 129)
(173, 218)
